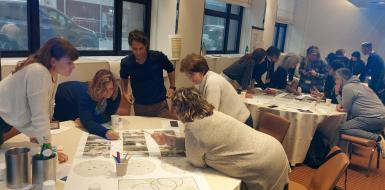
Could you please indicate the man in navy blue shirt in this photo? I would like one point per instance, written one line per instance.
(374, 72)
(144, 69)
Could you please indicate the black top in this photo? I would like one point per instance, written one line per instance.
(146, 79)
(329, 89)
(357, 67)
(375, 68)
(73, 101)
(279, 79)
(342, 59)
(259, 69)
(241, 71)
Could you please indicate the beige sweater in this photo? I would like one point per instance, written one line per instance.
(26, 101)
(222, 95)
(231, 147)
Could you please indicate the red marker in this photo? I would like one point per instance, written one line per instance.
(118, 155)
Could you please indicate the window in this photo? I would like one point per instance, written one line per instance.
(130, 21)
(280, 36)
(89, 25)
(13, 25)
(221, 28)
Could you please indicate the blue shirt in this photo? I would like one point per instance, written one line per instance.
(73, 101)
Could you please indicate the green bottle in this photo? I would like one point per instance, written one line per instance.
(46, 150)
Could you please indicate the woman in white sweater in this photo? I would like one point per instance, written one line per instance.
(225, 144)
(216, 89)
(27, 94)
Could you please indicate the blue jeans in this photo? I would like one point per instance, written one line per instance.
(363, 127)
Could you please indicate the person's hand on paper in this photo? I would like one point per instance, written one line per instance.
(112, 135)
(33, 140)
(340, 108)
(61, 156)
(270, 91)
(162, 139)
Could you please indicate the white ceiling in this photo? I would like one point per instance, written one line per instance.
(369, 3)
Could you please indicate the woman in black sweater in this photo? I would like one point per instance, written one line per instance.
(241, 71)
(283, 76)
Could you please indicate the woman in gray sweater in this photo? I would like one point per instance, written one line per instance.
(215, 89)
(221, 142)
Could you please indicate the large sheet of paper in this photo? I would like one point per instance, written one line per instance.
(151, 166)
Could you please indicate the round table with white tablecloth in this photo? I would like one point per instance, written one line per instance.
(305, 118)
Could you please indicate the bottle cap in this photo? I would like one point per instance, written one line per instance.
(47, 152)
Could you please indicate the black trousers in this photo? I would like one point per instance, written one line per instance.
(4, 128)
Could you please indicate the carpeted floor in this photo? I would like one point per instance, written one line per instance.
(357, 179)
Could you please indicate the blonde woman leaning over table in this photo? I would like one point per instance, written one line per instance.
(27, 94)
(221, 142)
(90, 104)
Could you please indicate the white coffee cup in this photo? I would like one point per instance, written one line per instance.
(328, 101)
(116, 121)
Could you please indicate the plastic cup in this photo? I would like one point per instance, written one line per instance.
(116, 121)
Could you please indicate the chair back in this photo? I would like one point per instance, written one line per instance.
(273, 125)
(328, 174)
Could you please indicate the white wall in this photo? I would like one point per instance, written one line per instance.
(270, 19)
(253, 16)
(285, 12)
(334, 24)
(163, 16)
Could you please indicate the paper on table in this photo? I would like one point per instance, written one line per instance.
(62, 171)
(83, 173)
(60, 130)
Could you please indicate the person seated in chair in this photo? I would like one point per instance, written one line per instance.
(93, 103)
(221, 142)
(366, 113)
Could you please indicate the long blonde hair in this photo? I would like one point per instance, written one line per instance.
(289, 61)
(189, 104)
(98, 85)
(56, 48)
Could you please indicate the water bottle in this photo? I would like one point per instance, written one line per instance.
(247, 49)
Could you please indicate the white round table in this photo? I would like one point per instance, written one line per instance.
(69, 141)
(305, 118)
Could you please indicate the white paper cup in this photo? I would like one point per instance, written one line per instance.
(328, 101)
(49, 185)
(243, 94)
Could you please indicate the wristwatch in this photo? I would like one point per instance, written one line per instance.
(173, 87)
